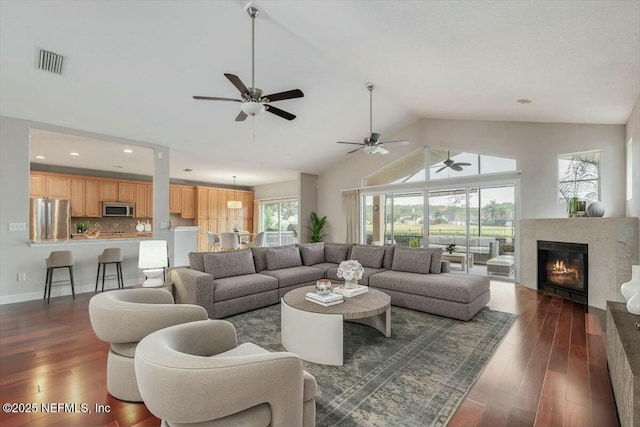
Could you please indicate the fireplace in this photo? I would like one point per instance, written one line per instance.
(563, 269)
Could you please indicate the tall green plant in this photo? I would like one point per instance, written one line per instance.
(317, 228)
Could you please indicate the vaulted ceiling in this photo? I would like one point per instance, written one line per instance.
(132, 67)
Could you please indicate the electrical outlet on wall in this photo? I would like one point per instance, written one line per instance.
(22, 277)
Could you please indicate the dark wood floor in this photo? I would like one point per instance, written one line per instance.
(550, 370)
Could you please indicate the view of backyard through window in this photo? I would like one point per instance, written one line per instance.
(579, 176)
(280, 222)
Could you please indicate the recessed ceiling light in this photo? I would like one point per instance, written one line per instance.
(187, 170)
(117, 166)
(523, 101)
(40, 157)
(128, 150)
(73, 153)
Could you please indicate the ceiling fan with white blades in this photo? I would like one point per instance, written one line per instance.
(449, 163)
(372, 144)
(252, 99)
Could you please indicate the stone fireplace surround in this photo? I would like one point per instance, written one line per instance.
(613, 249)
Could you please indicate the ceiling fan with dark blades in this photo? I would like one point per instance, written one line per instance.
(251, 98)
(372, 144)
(449, 163)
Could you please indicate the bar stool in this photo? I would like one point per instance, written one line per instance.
(58, 259)
(110, 256)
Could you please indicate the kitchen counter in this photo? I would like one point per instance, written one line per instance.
(84, 240)
(132, 235)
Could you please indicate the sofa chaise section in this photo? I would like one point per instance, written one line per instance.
(414, 282)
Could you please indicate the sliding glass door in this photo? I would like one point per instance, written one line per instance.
(279, 219)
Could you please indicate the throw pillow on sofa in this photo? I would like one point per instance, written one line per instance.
(368, 256)
(336, 252)
(228, 264)
(411, 261)
(284, 257)
(436, 257)
(312, 253)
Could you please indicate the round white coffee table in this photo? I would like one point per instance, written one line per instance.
(314, 332)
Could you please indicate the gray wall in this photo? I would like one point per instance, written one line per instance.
(307, 203)
(17, 256)
(535, 146)
(276, 190)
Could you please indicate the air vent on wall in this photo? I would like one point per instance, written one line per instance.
(49, 61)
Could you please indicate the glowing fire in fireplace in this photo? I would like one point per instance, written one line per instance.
(563, 273)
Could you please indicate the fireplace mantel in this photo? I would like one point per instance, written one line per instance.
(613, 249)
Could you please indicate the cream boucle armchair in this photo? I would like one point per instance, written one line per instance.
(196, 373)
(123, 318)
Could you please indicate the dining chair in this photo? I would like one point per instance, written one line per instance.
(213, 240)
(229, 242)
(260, 241)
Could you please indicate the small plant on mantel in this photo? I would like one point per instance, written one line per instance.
(317, 228)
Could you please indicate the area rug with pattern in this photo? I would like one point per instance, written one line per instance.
(417, 377)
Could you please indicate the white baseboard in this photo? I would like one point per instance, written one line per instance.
(55, 292)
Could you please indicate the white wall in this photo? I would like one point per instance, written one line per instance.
(17, 256)
(307, 203)
(535, 146)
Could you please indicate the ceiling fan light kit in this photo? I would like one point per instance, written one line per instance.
(372, 145)
(252, 99)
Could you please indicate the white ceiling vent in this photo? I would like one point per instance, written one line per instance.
(49, 61)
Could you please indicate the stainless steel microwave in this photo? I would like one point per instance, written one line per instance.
(118, 209)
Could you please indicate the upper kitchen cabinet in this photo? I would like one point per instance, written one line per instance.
(188, 202)
(108, 191)
(175, 199)
(114, 191)
(150, 201)
(92, 198)
(49, 185)
(141, 201)
(78, 197)
(37, 186)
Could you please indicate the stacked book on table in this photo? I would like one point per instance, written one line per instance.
(326, 300)
(351, 292)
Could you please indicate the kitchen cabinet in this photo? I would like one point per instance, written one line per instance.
(141, 201)
(36, 186)
(213, 211)
(126, 192)
(108, 191)
(188, 202)
(247, 205)
(175, 199)
(92, 198)
(150, 201)
(58, 187)
(78, 197)
(202, 202)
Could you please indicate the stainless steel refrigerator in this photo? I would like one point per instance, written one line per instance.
(49, 219)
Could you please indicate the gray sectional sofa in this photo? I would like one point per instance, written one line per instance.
(227, 283)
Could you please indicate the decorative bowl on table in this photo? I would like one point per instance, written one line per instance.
(91, 233)
(324, 286)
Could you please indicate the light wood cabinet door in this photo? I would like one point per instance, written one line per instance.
(37, 186)
(141, 201)
(108, 191)
(202, 202)
(222, 204)
(78, 197)
(92, 198)
(214, 211)
(247, 205)
(175, 199)
(58, 187)
(188, 203)
(203, 243)
(150, 201)
(126, 192)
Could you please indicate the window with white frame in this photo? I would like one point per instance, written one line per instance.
(579, 176)
(279, 220)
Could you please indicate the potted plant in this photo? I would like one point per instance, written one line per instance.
(317, 227)
(414, 242)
